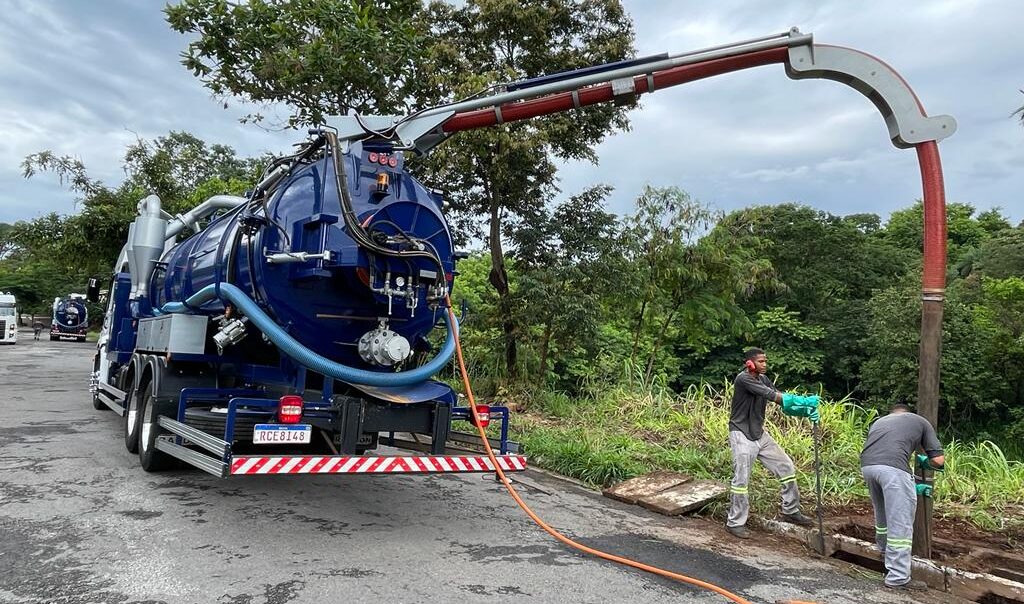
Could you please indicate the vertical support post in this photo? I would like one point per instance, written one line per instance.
(928, 407)
(933, 287)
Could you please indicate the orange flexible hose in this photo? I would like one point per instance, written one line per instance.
(554, 533)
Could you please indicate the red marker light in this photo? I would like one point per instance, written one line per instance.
(289, 410)
(482, 416)
(393, 161)
(373, 157)
(383, 159)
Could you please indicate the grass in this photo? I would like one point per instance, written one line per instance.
(616, 432)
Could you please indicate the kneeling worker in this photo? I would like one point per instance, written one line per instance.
(749, 442)
(886, 468)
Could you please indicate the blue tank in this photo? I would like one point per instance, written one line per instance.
(330, 302)
(70, 317)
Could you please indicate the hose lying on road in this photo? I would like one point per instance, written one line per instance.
(554, 533)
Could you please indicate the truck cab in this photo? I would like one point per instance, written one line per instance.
(8, 319)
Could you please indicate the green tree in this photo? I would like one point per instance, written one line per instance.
(971, 390)
(182, 169)
(7, 243)
(688, 279)
(905, 229)
(318, 57)
(827, 267)
(791, 344)
(567, 265)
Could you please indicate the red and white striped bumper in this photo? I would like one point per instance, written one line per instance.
(342, 464)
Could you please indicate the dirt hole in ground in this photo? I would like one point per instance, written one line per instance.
(863, 561)
(954, 544)
(991, 598)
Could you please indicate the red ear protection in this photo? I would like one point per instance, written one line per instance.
(750, 365)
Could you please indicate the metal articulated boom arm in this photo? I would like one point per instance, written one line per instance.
(904, 115)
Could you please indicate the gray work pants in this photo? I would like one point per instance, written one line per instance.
(895, 501)
(744, 453)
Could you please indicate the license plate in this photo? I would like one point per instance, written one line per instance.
(281, 434)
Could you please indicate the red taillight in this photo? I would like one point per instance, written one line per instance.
(373, 158)
(289, 411)
(482, 416)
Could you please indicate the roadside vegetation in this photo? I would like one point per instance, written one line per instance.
(609, 434)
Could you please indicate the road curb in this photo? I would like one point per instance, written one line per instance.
(961, 583)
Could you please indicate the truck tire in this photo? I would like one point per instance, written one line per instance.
(132, 418)
(96, 402)
(150, 409)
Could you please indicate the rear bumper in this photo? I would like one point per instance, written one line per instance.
(374, 464)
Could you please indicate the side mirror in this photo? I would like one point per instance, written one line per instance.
(92, 292)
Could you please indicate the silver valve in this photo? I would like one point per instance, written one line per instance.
(232, 331)
(384, 347)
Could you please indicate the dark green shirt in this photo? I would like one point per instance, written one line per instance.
(750, 396)
(894, 437)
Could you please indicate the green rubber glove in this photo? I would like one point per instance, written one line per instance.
(811, 401)
(925, 462)
(795, 405)
(923, 490)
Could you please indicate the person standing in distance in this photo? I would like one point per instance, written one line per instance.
(749, 442)
(885, 464)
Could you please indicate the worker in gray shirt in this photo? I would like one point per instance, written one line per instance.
(748, 442)
(885, 463)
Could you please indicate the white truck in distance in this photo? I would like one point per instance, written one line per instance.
(8, 319)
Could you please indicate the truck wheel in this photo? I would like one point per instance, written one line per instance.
(150, 408)
(132, 421)
(96, 402)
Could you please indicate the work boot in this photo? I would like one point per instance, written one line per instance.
(796, 518)
(912, 585)
(741, 532)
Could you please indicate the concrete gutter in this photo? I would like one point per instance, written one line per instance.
(977, 587)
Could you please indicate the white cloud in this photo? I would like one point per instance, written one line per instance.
(83, 78)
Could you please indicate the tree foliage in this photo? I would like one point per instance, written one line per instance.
(54, 255)
(318, 57)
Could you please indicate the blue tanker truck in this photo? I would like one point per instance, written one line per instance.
(295, 330)
(70, 318)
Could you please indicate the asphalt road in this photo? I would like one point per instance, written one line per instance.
(81, 522)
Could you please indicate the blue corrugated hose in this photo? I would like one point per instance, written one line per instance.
(291, 347)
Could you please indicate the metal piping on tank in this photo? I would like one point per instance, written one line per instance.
(294, 349)
(190, 219)
(150, 232)
(146, 244)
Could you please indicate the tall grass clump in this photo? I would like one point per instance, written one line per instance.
(611, 432)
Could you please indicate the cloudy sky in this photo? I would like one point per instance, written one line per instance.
(84, 78)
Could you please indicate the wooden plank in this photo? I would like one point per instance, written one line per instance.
(630, 491)
(684, 498)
